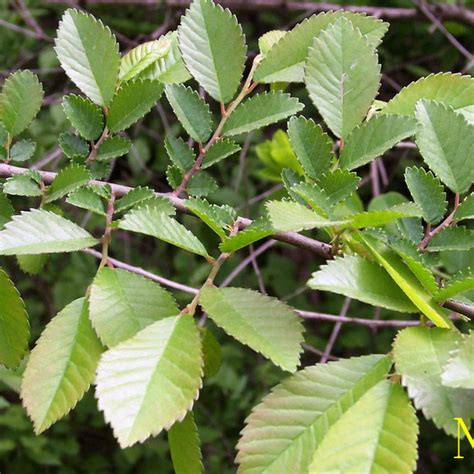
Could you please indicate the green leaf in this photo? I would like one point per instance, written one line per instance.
(212, 353)
(385, 439)
(202, 184)
(151, 221)
(32, 264)
(21, 185)
(465, 209)
(445, 139)
(313, 147)
(459, 283)
(113, 147)
(259, 111)
(88, 199)
(213, 48)
(363, 280)
(269, 39)
(381, 218)
(136, 196)
(22, 150)
(131, 102)
(459, 370)
(409, 284)
(162, 378)
(453, 90)
(373, 138)
(180, 152)
(191, 110)
(67, 180)
(38, 231)
(284, 430)
(123, 303)
(15, 328)
(6, 210)
(219, 150)
(263, 323)
(342, 76)
(314, 196)
(73, 146)
(70, 350)
(143, 56)
(20, 101)
(85, 116)
(285, 61)
(452, 238)
(338, 184)
(257, 230)
(89, 54)
(427, 192)
(183, 439)
(218, 218)
(422, 375)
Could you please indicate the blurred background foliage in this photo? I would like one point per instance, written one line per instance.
(82, 442)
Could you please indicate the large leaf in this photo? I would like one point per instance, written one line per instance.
(213, 48)
(312, 147)
(14, 325)
(132, 101)
(183, 439)
(285, 60)
(85, 116)
(218, 218)
(261, 110)
(385, 438)
(446, 140)
(61, 367)
(20, 101)
(420, 354)
(151, 221)
(285, 429)
(342, 76)
(67, 180)
(144, 394)
(459, 370)
(373, 138)
(37, 231)
(363, 280)
(427, 192)
(265, 324)
(89, 54)
(122, 303)
(454, 90)
(192, 111)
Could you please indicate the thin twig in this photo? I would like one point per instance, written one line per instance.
(335, 331)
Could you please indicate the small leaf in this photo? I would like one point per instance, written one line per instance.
(219, 150)
(22, 150)
(113, 147)
(287, 426)
(342, 76)
(452, 238)
(338, 184)
(179, 152)
(151, 221)
(73, 146)
(88, 199)
(459, 370)
(373, 138)
(85, 116)
(202, 184)
(20, 101)
(212, 353)
(213, 48)
(136, 196)
(162, 378)
(21, 185)
(15, 328)
(313, 147)
(459, 283)
(217, 218)
(427, 192)
(191, 110)
(263, 323)
(70, 351)
(314, 196)
(6, 210)
(370, 219)
(38, 231)
(131, 102)
(465, 209)
(363, 280)
(422, 375)
(67, 180)
(259, 111)
(32, 264)
(385, 439)
(89, 54)
(445, 139)
(183, 439)
(269, 39)
(257, 230)
(123, 303)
